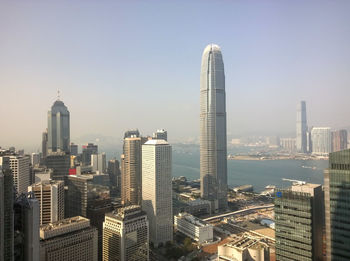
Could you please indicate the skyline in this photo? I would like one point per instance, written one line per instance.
(102, 57)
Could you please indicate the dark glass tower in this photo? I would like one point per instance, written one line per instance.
(58, 128)
(337, 204)
(301, 141)
(213, 147)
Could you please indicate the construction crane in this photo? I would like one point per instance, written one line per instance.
(297, 182)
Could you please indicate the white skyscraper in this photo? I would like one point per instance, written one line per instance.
(321, 140)
(19, 166)
(98, 162)
(213, 147)
(157, 190)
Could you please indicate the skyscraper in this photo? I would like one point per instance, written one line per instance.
(98, 162)
(44, 145)
(131, 171)
(113, 171)
(50, 195)
(125, 235)
(73, 149)
(301, 127)
(20, 166)
(213, 147)
(299, 222)
(87, 151)
(26, 226)
(157, 190)
(59, 162)
(321, 141)
(76, 202)
(339, 140)
(160, 135)
(58, 128)
(337, 205)
(6, 213)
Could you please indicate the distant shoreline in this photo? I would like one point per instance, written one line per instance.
(261, 158)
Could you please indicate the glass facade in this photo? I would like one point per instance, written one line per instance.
(337, 196)
(213, 147)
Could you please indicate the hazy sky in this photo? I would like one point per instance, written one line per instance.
(136, 64)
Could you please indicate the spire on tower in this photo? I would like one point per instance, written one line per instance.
(58, 94)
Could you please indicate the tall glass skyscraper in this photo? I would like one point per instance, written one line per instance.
(301, 127)
(213, 147)
(58, 128)
(337, 205)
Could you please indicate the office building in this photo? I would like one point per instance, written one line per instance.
(35, 159)
(160, 135)
(98, 162)
(44, 146)
(288, 144)
(157, 190)
(299, 222)
(6, 210)
(131, 167)
(59, 162)
(213, 147)
(321, 141)
(125, 235)
(87, 151)
(193, 227)
(50, 195)
(76, 201)
(73, 148)
(339, 140)
(337, 205)
(26, 228)
(20, 167)
(244, 248)
(58, 128)
(42, 174)
(71, 239)
(301, 142)
(114, 173)
(96, 211)
(132, 133)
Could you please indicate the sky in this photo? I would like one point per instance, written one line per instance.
(135, 64)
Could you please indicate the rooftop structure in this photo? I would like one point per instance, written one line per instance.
(63, 226)
(244, 247)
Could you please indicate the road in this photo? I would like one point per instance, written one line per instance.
(238, 212)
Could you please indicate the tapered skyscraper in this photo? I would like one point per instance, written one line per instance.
(301, 127)
(58, 128)
(213, 151)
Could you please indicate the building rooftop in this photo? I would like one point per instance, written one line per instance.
(126, 213)
(156, 142)
(245, 241)
(193, 220)
(63, 226)
(305, 188)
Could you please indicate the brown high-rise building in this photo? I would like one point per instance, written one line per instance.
(131, 167)
(339, 140)
(50, 195)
